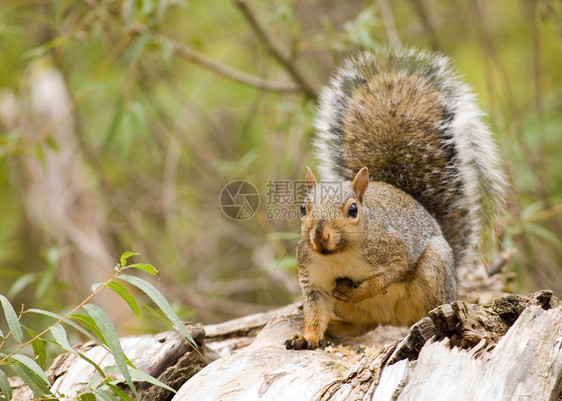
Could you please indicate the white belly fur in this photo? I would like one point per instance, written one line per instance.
(392, 307)
(381, 309)
(325, 270)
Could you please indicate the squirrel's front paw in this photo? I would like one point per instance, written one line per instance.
(298, 342)
(346, 290)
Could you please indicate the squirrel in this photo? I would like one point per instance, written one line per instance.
(412, 179)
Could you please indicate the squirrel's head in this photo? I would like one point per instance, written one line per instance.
(332, 213)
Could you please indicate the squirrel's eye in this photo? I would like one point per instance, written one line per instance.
(303, 210)
(352, 211)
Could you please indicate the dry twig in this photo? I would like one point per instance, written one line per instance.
(228, 72)
(274, 50)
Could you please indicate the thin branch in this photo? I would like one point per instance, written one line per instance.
(536, 162)
(539, 216)
(388, 21)
(419, 6)
(481, 13)
(273, 49)
(537, 86)
(229, 72)
(501, 261)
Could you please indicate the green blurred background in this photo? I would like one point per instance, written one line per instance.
(121, 122)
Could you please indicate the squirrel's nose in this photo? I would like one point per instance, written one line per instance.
(323, 238)
(326, 237)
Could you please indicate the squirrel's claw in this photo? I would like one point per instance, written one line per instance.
(298, 342)
(345, 290)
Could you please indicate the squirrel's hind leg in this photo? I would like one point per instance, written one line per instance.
(432, 283)
(342, 328)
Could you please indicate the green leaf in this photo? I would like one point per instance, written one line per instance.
(32, 365)
(35, 382)
(135, 49)
(125, 256)
(158, 314)
(87, 397)
(161, 302)
(544, 233)
(20, 284)
(59, 334)
(146, 267)
(5, 385)
(68, 322)
(38, 348)
(113, 128)
(47, 276)
(95, 286)
(105, 395)
(139, 374)
(532, 209)
(96, 382)
(124, 396)
(126, 295)
(38, 52)
(61, 339)
(111, 340)
(89, 323)
(12, 319)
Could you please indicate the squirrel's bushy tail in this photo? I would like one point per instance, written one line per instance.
(408, 117)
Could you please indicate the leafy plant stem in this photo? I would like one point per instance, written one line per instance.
(80, 305)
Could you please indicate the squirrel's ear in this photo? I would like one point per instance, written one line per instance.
(360, 183)
(310, 179)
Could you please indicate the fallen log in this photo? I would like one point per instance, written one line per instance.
(510, 349)
(507, 350)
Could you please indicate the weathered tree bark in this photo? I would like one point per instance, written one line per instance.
(510, 349)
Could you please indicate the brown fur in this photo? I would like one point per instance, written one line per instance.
(397, 117)
(432, 183)
(375, 274)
